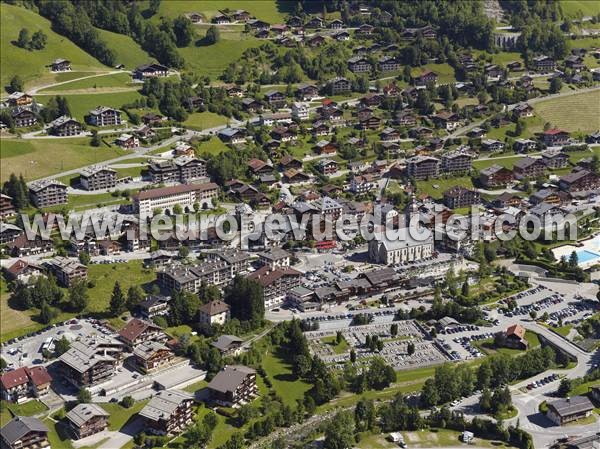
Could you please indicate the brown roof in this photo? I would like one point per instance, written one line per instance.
(39, 375)
(266, 276)
(134, 328)
(214, 308)
(174, 190)
(256, 164)
(19, 266)
(515, 329)
(14, 378)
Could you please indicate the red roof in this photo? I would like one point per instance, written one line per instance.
(554, 131)
(327, 101)
(14, 378)
(39, 375)
(515, 329)
(267, 276)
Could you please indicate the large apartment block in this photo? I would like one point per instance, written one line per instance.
(66, 270)
(182, 169)
(47, 193)
(169, 412)
(65, 126)
(456, 162)
(422, 167)
(184, 278)
(165, 198)
(97, 177)
(104, 116)
(276, 283)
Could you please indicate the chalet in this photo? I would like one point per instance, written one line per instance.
(151, 355)
(65, 126)
(327, 166)
(514, 66)
(97, 177)
(6, 206)
(523, 110)
(325, 147)
(447, 120)
(221, 18)
(492, 145)
(315, 22)
(228, 345)
(365, 29)
(425, 78)
(363, 113)
(428, 32)
(284, 134)
(550, 196)
(169, 412)
(389, 135)
(372, 99)
(23, 117)
(420, 132)
(22, 246)
(459, 196)
(579, 181)
(422, 167)
(555, 159)
(19, 99)
(295, 22)
(563, 411)
(127, 141)
(287, 162)
(66, 271)
(262, 34)
(514, 337)
(276, 118)
(275, 99)
(492, 71)
(405, 118)
(152, 70)
(593, 138)
(372, 122)
(23, 383)
(233, 385)
(24, 432)
(234, 91)
(300, 111)
(524, 145)
(258, 167)
(320, 128)
(104, 116)
(575, 62)
(196, 17)
(60, 65)
(339, 85)
(23, 271)
(341, 36)
(505, 200)
(315, 41)
(555, 137)
(362, 184)
(152, 119)
(138, 331)
(154, 306)
(251, 105)
(336, 24)
(233, 135)
(194, 102)
(495, 176)
(544, 64)
(359, 64)
(293, 176)
(389, 63)
(84, 420)
(307, 92)
(214, 312)
(262, 26)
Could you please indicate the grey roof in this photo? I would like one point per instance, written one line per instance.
(62, 120)
(84, 354)
(230, 378)
(405, 239)
(230, 132)
(275, 254)
(82, 413)
(147, 349)
(8, 227)
(571, 406)
(36, 186)
(301, 291)
(94, 169)
(20, 426)
(102, 109)
(164, 404)
(224, 342)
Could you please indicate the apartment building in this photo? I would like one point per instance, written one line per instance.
(24, 432)
(23, 117)
(138, 331)
(47, 193)
(529, 167)
(169, 412)
(65, 126)
(233, 385)
(104, 116)
(422, 167)
(184, 278)
(457, 162)
(165, 198)
(65, 270)
(6, 207)
(151, 355)
(214, 312)
(98, 177)
(275, 258)
(276, 283)
(24, 383)
(459, 196)
(84, 420)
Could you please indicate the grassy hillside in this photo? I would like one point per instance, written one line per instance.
(579, 112)
(95, 84)
(128, 51)
(571, 8)
(81, 104)
(268, 10)
(31, 64)
(44, 157)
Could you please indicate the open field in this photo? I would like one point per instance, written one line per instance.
(284, 381)
(212, 146)
(86, 201)
(507, 162)
(211, 60)
(119, 415)
(31, 64)
(267, 10)
(11, 319)
(44, 157)
(580, 112)
(81, 104)
(115, 80)
(444, 71)
(204, 120)
(436, 187)
(127, 51)
(572, 8)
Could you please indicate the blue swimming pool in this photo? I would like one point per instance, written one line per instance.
(584, 256)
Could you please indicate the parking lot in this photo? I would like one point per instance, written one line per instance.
(395, 347)
(27, 350)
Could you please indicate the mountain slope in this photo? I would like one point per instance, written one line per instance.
(32, 64)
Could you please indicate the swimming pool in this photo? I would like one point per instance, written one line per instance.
(584, 256)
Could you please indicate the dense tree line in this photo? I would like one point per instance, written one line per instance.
(17, 189)
(35, 41)
(72, 21)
